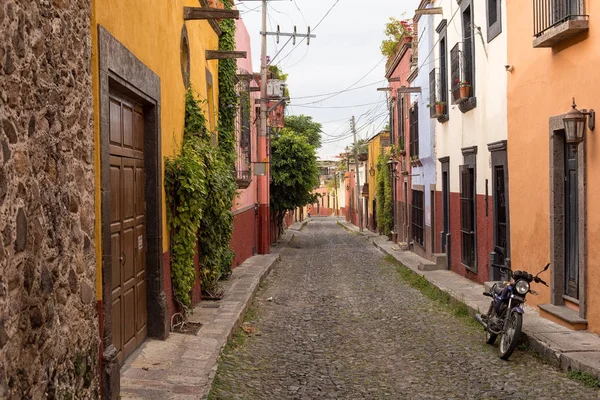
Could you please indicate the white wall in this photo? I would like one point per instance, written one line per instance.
(486, 123)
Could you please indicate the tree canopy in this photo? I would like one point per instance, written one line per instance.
(304, 125)
(295, 173)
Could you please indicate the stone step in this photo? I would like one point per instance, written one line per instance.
(441, 260)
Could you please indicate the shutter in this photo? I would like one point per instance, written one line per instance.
(416, 133)
(432, 92)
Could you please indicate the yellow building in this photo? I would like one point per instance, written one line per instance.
(376, 145)
(144, 56)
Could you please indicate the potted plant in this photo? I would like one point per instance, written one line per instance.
(465, 89)
(440, 108)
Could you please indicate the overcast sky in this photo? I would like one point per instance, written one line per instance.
(345, 54)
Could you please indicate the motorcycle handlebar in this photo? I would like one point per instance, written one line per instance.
(540, 280)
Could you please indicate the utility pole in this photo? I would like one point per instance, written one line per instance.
(264, 145)
(358, 205)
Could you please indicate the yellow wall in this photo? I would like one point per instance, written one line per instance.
(152, 31)
(541, 86)
(374, 151)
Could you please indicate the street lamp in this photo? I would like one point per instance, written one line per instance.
(575, 124)
(392, 163)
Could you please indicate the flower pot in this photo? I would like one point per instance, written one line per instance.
(465, 92)
(439, 109)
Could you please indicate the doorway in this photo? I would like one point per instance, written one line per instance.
(501, 222)
(127, 225)
(445, 234)
(571, 224)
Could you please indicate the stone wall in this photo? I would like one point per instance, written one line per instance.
(48, 320)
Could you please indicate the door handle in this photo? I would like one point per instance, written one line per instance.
(123, 258)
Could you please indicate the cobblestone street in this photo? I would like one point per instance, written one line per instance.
(334, 320)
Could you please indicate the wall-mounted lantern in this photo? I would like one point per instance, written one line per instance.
(392, 166)
(575, 122)
(372, 170)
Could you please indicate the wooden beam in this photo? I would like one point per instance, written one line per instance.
(429, 11)
(196, 13)
(222, 55)
(405, 89)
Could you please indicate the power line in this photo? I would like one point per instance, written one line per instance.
(313, 29)
(347, 106)
(349, 87)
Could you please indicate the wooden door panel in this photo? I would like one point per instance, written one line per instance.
(138, 130)
(140, 297)
(116, 326)
(127, 126)
(128, 241)
(128, 322)
(115, 122)
(128, 263)
(115, 249)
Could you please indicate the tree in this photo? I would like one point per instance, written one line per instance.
(304, 125)
(295, 174)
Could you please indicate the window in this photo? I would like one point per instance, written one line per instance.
(414, 131)
(401, 122)
(494, 23)
(442, 80)
(467, 216)
(418, 217)
(392, 130)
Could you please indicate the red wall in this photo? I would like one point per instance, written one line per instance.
(484, 231)
(243, 238)
(172, 305)
(484, 235)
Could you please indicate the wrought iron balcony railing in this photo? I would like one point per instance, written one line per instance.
(438, 99)
(461, 72)
(550, 13)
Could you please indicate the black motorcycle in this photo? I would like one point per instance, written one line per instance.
(505, 314)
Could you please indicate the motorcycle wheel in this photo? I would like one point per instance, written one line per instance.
(511, 335)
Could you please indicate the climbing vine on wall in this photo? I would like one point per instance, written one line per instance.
(199, 187)
(228, 98)
(384, 195)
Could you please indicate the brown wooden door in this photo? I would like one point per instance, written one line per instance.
(127, 225)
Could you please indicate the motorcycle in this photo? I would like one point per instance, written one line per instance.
(505, 314)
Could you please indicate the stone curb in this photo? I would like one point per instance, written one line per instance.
(184, 366)
(534, 326)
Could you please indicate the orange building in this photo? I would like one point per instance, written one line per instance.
(553, 216)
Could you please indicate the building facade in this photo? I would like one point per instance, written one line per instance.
(246, 223)
(424, 235)
(554, 219)
(398, 70)
(471, 136)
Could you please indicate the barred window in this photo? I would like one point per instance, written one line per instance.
(467, 215)
(418, 216)
(414, 130)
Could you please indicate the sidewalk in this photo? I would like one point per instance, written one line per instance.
(576, 350)
(183, 366)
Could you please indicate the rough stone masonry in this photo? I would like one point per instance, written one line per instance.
(48, 321)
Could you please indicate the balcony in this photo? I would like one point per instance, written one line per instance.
(557, 20)
(461, 72)
(438, 100)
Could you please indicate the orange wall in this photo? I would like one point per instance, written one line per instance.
(541, 86)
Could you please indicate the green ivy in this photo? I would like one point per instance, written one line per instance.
(228, 99)
(186, 192)
(384, 195)
(200, 189)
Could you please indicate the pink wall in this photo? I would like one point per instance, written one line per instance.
(247, 196)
